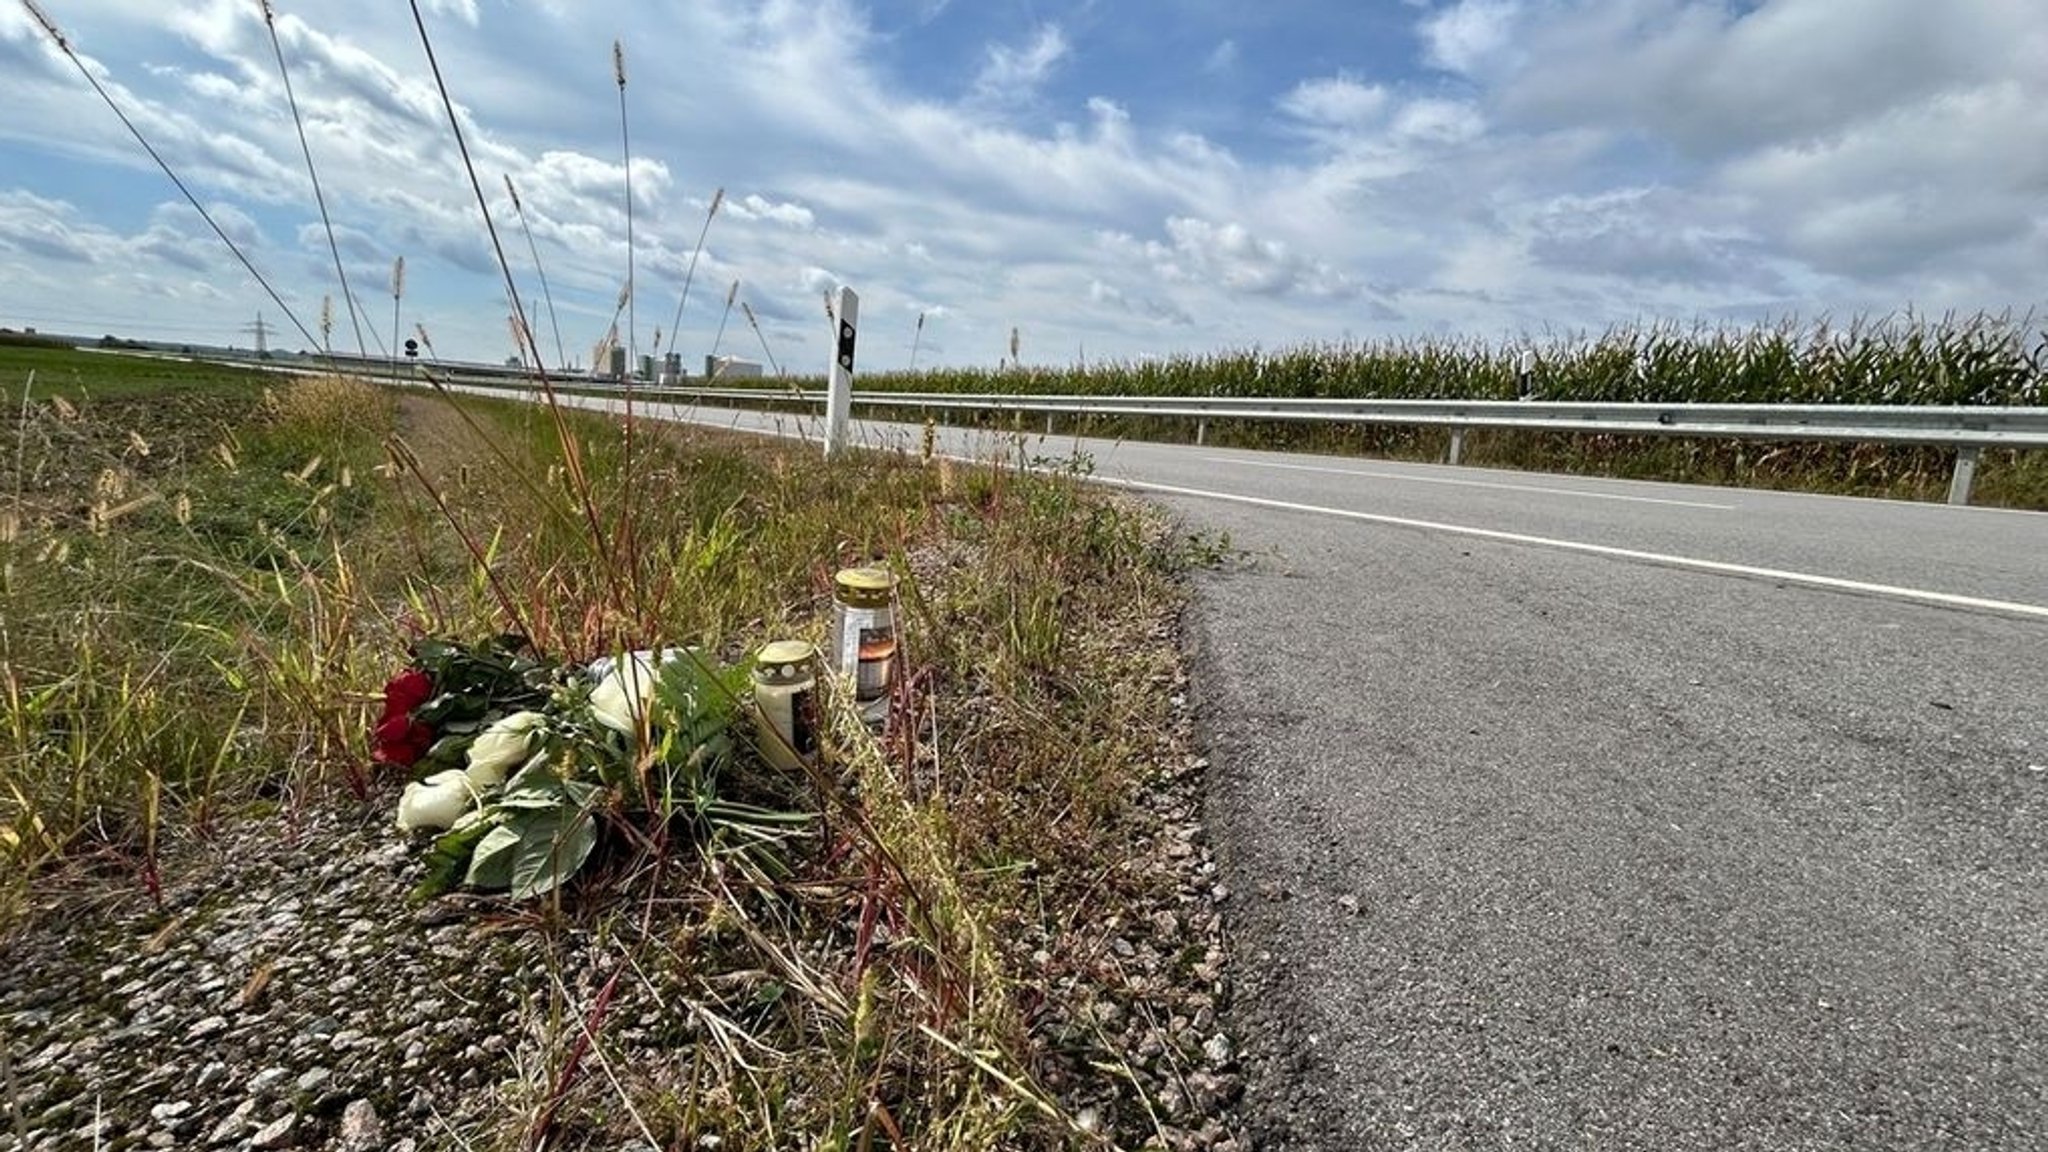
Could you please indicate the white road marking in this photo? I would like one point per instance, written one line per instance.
(1470, 483)
(1836, 583)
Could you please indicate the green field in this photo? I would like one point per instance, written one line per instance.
(75, 373)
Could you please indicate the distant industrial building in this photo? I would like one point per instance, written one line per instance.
(730, 368)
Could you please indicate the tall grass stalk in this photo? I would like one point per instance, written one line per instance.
(397, 294)
(21, 447)
(540, 269)
(748, 311)
(731, 294)
(626, 149)
(572, 462)
(675, 326)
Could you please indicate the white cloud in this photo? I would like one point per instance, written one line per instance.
(1717, 80)
(1651, 235)
(34, 227)
(1157, 311)
(1229, 256)
(1439, 121)
(1222, 59)
(1012, 73)
(1888, 197)
(1335, 101)
(464, 10)
(754, 206)
(1470, 35)
(818, 281)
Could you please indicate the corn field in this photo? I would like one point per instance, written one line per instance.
(1981, 359)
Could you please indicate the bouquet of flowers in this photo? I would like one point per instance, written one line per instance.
(518, 759)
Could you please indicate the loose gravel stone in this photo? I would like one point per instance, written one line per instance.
(276, 1134)
(361, 1130)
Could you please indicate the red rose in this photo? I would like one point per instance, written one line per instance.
(407, 691)
(398, 738)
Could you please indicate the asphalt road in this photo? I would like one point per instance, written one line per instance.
(1566, 813)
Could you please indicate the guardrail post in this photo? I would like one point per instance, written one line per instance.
(839, 393)
(1457, 446)
(1201, 432)
(1048, 423)
(1965, 474)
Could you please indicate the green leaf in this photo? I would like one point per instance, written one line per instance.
(540, 797)
(490, 866)
(449, 748)
(552, 846)
(733, 812)
(448, 860)
(544, 792)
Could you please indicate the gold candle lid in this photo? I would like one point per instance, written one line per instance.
(786, 652)
(865, 587)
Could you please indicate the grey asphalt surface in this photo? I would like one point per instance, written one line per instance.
(1531, 848)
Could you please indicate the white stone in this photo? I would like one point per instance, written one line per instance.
(276, 1134)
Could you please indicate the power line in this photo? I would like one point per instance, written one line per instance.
(64, 45)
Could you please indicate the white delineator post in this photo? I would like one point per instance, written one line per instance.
(839, 391)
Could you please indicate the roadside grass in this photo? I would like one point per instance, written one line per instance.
(213, 654)
(879, 988)
(151, 534)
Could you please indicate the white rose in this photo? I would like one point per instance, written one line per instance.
(620, 700)
(436, 802)
(504, 744)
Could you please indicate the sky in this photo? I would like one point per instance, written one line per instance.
(1122, 180)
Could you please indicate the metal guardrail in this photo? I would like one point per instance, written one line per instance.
(1969, 430)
